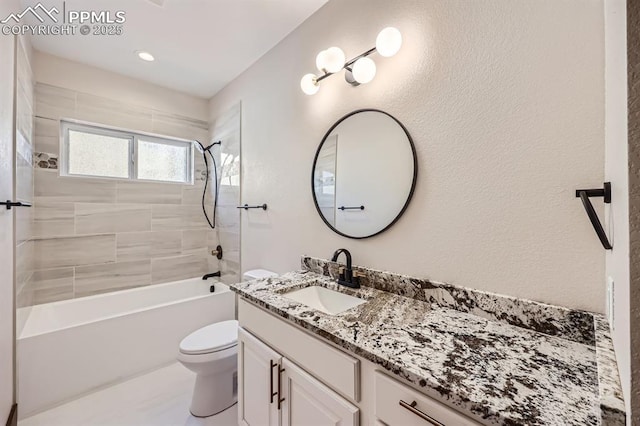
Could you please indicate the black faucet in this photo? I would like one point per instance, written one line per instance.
(346, 277)
(214, 274)
(211, 275)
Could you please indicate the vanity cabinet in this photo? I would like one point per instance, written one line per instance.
(319, 384)
(273, 391)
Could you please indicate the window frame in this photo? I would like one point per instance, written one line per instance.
(132, 160)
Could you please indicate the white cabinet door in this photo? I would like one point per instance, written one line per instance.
(307, 402)
(258, 368)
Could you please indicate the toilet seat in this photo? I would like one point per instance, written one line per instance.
(212, 338)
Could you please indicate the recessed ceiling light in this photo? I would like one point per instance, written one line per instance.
(145, 56)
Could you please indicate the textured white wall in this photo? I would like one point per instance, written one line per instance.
(504, 100)
(616, 171)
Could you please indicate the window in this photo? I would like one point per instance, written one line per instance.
(108, 153)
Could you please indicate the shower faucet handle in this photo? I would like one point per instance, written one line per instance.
(217, 252)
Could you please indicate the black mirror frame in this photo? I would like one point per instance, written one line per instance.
(413, 183)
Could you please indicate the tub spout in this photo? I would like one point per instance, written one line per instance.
(214, 274)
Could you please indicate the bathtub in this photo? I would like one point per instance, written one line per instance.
(69, 348)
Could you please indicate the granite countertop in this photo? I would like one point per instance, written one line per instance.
(497, 366)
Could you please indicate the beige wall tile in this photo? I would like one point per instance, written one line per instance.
(24, 71)
(95, 218)
(24, 178)
(192, 194)
(25, 256)
(97, 279)
(50, 187)
(73, 251)
(170, 217)
(54, 102)
(99, 110)
(177, 268)
(229, 240)
(24, 224)
(149, 193)
(228, 219)
(232, 255)
(53, 218)
(229, 196)
(51, 285)
(179, 120)
(180, 127)
(47, 135)
(148, 245)
(195, 241)
(24, 111)
(24, 295)
(136, 221)
(230, 271)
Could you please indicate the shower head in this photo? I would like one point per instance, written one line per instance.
(202, 149)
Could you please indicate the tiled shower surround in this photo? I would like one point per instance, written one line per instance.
(100, 235)
(24, 176)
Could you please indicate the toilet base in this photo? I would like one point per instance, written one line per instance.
(215, 414)
(214, 393)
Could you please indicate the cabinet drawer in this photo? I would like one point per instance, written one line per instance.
(333, 367)
(425, 411)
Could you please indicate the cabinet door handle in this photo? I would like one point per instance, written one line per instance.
(280, 400)
(412, 407)
(271, 392)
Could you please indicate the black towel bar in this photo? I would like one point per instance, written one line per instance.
(351, 208)
(11, 204)
(247, 207)
(584, 195)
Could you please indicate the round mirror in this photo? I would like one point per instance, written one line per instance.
(364, 173)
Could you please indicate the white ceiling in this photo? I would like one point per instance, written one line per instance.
(199, 45)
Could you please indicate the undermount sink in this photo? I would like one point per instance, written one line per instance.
(323, 299)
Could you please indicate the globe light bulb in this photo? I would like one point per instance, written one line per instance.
(388, 42)
(334, 59)
(364, 69)
(309, 85)
(321, 61)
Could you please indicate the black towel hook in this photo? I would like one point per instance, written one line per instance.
(584, 195)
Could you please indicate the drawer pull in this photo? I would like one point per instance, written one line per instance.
(412, 407)
(271, 392)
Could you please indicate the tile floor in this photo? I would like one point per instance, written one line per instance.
(159, 398)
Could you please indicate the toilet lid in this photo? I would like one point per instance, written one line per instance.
(212, 338)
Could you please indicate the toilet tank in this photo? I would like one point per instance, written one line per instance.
(254, 274)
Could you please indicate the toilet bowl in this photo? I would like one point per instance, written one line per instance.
(212, 353)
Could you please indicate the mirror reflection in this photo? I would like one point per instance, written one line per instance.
(364, 173)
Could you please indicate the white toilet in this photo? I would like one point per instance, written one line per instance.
(211, 352)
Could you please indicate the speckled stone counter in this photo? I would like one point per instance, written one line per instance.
(506, 361)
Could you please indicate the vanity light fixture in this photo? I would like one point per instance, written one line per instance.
(359, 70)
(145, 56)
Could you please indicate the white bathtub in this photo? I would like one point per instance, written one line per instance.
(69, 348)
